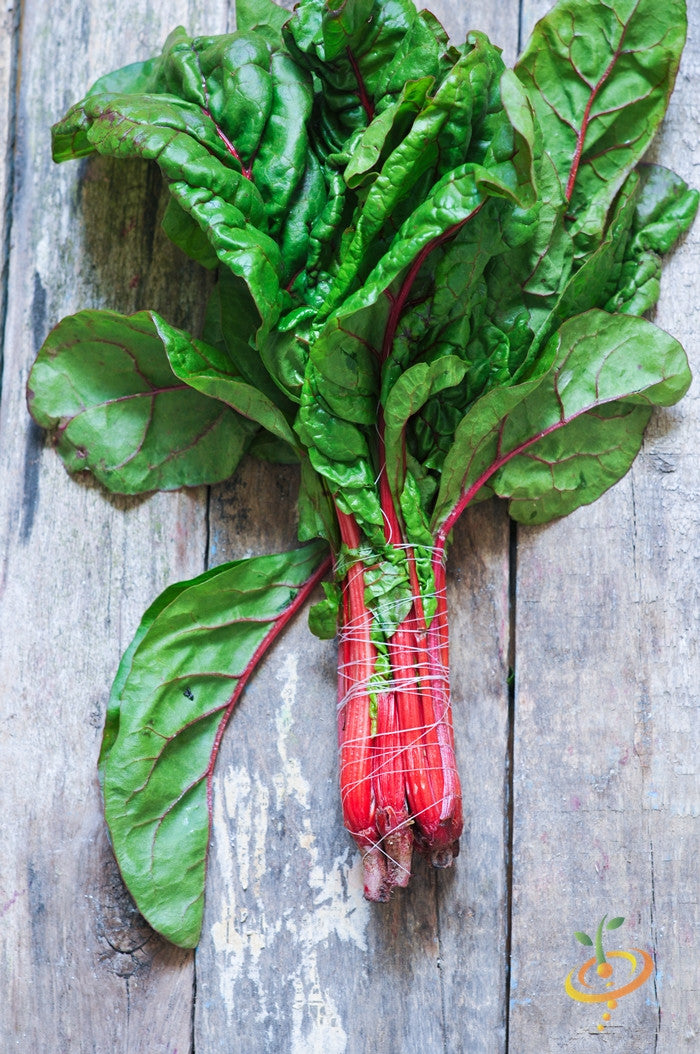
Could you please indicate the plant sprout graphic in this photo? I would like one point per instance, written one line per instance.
(586, 992)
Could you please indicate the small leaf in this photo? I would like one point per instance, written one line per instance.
(210, 371)
(583, 938)
(323, 617)
(615, 923)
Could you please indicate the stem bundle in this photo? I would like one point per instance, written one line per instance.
(399, 782)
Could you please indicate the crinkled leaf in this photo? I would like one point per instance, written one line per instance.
(174, 694)
(552, 444)
(595, 280)
(599, 76)
(340, 451)
(666, 207)
(324, 616)
(436, 146)
(406, 398)
(376, 141)
(261, 16)
(355, 339)
(225, 119)
(363, 52)
(103, 385)
(526, 282)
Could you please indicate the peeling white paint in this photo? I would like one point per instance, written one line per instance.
(340, 906)
(241, 804)
(316, 1024)
(249, 940)
(290, 781)
(238, 808)
(340, 911)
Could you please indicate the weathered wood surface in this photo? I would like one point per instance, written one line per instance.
(591, 774)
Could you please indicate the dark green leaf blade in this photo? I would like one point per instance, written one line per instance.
(111, 726)
(593, 283)
(184, 231)
(225, 118)
(411, 391)
(231, 324)
(363, 52)
(262, 15)
(583, 938)
(599, 77)
(665, 210)
(207, 370)
(583, 419)
(102, 383)
(176, 691)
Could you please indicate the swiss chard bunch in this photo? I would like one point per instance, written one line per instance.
(431, 272)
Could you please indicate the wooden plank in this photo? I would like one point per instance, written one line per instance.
(292, 958)
(80, 970)
(606, 791)
(8, 66)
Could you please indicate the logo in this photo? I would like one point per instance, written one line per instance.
(606, 979)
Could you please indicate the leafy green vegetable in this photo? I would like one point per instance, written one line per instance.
(599, 77)
(172, 698)
(105, 384)
(430, 272)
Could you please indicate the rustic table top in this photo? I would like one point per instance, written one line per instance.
(580, 775)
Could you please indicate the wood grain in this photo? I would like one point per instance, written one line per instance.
(606, 791)
(80, 970)
(598, 790)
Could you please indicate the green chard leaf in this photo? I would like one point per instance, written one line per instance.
(173, 696)
(317, 517)
(363, 53)
(103, 384)
(211, 372)
(261, 16)
(599, 76)
(432, 154)
(324, 617)
(595, 280)
(559, 441)
(232, 324)
(665, 209)
(225, 119)
(410, 393)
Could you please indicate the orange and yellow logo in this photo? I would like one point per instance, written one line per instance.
(601, 980)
